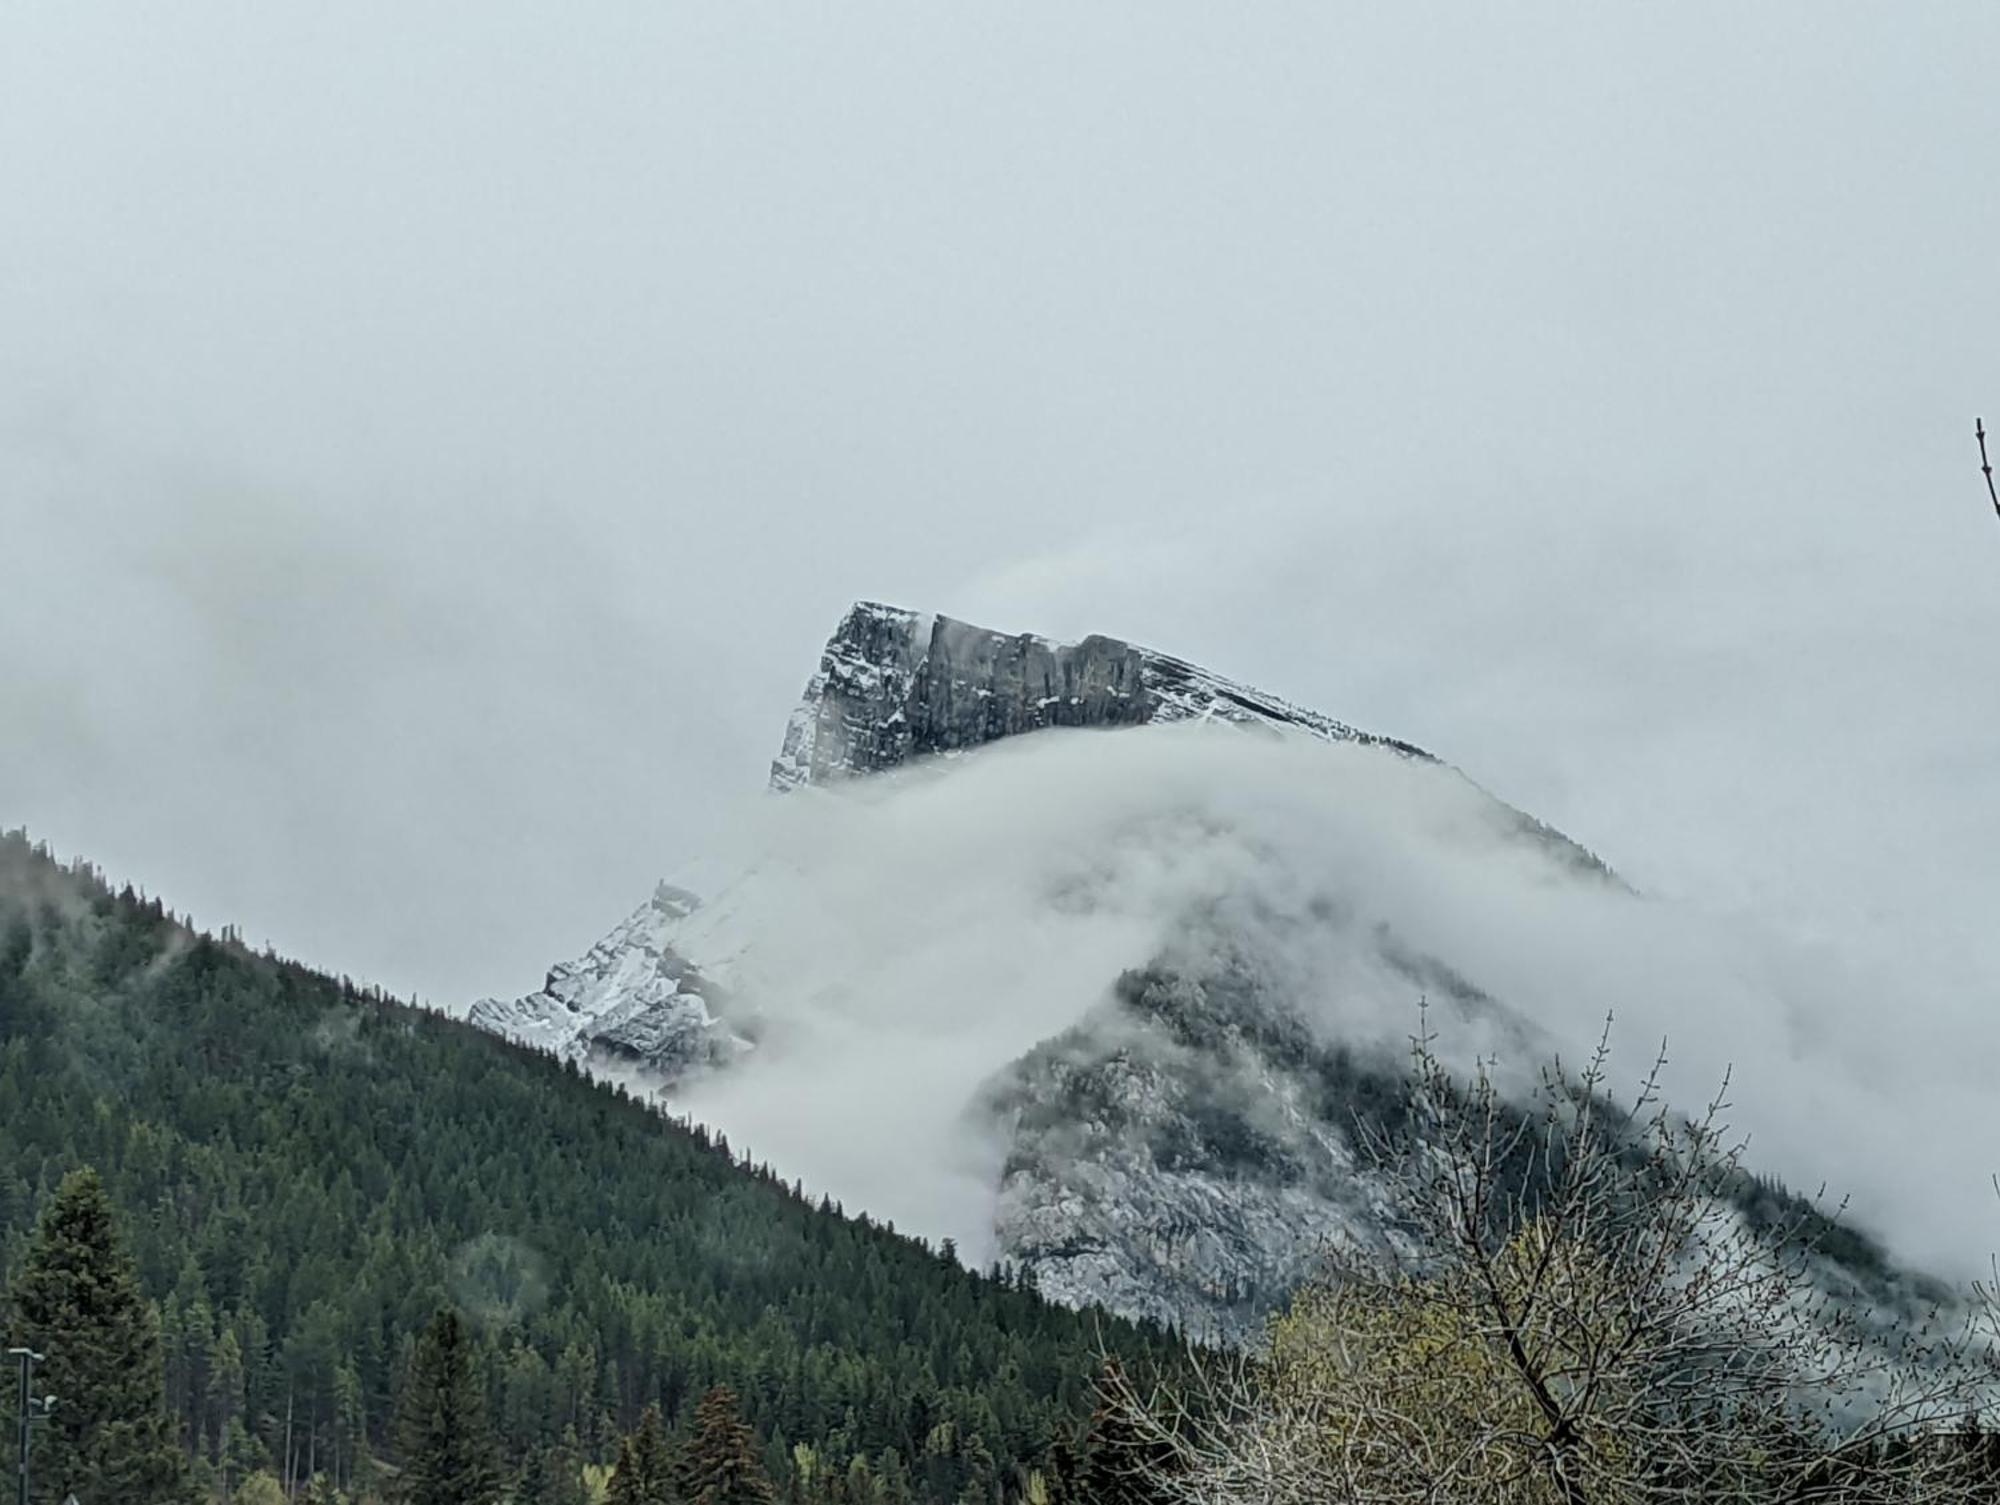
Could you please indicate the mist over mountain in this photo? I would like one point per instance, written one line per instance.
(1087, 958)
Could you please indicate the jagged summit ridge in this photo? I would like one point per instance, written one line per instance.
(894, 684)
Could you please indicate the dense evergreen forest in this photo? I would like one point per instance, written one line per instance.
(306, 1173)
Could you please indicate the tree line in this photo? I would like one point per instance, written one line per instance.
(309, 1172)
(108, 1435)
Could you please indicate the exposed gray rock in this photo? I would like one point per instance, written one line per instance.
(1193, 1151)
(893, 685)
(631, 998)
(1191, 1184)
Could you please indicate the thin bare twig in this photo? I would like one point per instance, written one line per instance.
(1979, 429)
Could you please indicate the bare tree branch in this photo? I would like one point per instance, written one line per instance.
(1985, 465)
(1588, 1315)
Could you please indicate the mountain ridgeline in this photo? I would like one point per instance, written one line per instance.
(893, 685)
(308, 1171)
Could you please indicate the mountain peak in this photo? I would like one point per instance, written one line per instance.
(895, 684)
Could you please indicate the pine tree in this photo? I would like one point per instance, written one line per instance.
(225, 1390)
(350, 1425)
(554, 1475)
(623, 1487)
(721, 1467)
(239, 1456)
(645, 1472)
(76, 1299)
(444, 1448)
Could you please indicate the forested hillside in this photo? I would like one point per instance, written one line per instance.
(307, 1171)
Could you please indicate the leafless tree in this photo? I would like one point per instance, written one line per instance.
(1589, 1315)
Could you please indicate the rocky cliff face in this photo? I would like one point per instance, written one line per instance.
(893, 685)
(1186, 1157)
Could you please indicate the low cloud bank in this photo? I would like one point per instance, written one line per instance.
(905, 937)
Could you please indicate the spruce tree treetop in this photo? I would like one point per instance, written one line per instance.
(623, 1488)
(721, 1465)
(554, 1475)
(443, 1445)
(645, 1473)
(77, 1301)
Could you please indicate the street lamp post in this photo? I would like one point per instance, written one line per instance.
(28, 1359)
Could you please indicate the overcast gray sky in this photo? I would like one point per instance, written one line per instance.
(434, 440)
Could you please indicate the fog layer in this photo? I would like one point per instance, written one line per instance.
(905, 937)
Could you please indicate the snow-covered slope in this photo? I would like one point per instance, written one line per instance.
(1112, 1006)
(632, 997)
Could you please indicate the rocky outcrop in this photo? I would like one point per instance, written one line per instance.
(1165, 1160)
(632, 999)
(893, 685)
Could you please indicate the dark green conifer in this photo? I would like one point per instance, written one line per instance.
(623, 1488)
(554, 1475)
(443, 1447)
(111, 1439)
(645, 1472)
(721, 1466)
